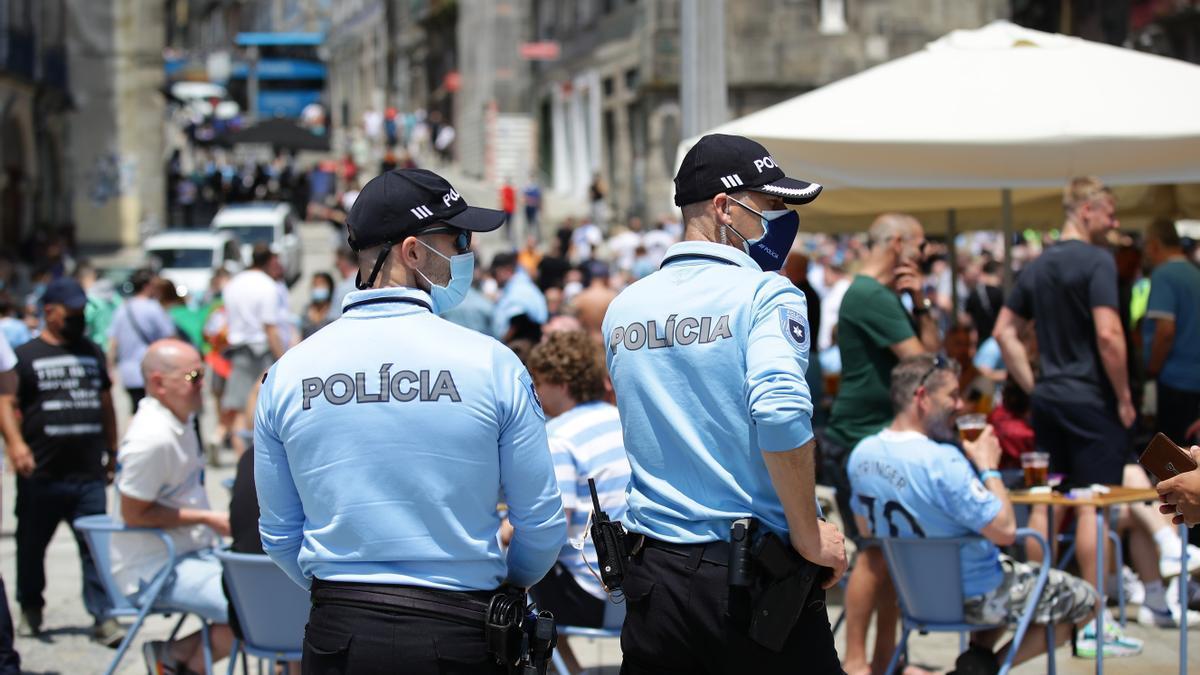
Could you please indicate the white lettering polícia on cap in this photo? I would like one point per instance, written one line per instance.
(451, 196)
(767, 162)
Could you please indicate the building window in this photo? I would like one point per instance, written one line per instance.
(632, 80)
(833, 17)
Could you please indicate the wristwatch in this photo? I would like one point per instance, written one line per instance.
(923, 307)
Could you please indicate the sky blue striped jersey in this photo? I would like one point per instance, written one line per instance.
(586, 443)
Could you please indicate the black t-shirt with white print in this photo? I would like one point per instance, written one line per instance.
(59, 392)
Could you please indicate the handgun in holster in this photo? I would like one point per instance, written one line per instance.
(779, 580)
(608, 536)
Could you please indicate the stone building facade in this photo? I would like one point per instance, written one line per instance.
(35, 169)
(610, 106)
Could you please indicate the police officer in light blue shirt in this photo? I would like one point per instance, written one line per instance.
(520, 295)
(707, 357)
(385, 442)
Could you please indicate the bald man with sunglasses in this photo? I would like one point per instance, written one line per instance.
(160, 479)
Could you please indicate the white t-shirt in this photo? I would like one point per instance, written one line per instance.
(657, 242)
(8, 360)
(830, 305)
(288, 324)
(585, 238)
(159, 461)
(624, 248)
(251, 303)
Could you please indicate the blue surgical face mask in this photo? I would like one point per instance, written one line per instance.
(462, 270)
(779, 231)
(320, 294)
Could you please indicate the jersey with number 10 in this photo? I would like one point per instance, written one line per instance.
(907, 485)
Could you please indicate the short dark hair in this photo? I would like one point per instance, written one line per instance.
(1164, 231)
(572, 358)
(327, 278)
(261, 254)
(505, 259)
(914, 371)
(140, 278)
(167, 291)
(992, 267)
(965, 326)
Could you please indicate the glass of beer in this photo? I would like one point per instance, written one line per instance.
(1037, 468)
(971, 426)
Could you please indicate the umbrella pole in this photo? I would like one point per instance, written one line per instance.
(1006, 218)
(952, 235)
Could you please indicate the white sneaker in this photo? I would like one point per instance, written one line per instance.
(1193, 598)
(1135, 590)
(1116, 642)
(1167, 618)
(1171, 562)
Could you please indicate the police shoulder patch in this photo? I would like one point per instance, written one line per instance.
(795, 328)
(534, 399)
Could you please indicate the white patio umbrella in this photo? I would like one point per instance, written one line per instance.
(978, 117)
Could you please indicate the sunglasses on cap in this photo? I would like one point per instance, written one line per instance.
(462, 238)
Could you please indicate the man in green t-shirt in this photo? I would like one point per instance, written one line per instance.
(875, 332)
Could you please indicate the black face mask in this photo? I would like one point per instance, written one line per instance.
(73, 328)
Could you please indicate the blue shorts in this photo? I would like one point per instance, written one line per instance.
(195, 587)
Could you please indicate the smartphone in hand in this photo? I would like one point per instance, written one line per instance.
(1164, 459)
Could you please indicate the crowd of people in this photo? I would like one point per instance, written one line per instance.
(1096, 346)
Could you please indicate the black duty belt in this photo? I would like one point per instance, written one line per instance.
(467, 607)
(713, 552)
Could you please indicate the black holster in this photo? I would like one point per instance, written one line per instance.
(519, 637)
(782, 582)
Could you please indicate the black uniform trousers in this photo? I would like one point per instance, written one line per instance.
(369, 640)
(679, 620)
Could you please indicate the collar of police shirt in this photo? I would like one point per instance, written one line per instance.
(722, 253)
(387, 300)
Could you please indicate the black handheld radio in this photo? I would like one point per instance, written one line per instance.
(609, 537)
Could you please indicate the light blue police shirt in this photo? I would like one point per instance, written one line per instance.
(383, 444)
(707, 357)
(907, 485)
(520, 296)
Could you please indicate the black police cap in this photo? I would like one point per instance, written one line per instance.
(401, 202)
(721, 163)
